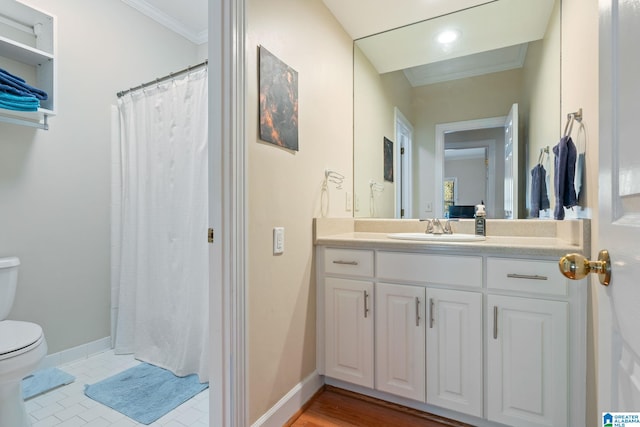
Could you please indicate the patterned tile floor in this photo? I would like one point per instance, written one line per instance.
(67, 406)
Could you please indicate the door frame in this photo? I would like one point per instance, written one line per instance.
(227, 214)
(441, 130)
(403, 166)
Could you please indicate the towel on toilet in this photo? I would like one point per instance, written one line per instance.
(565, 172)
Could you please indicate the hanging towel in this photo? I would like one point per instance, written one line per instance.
(539, 197)
(565, 172)
(18, 86)
(579, 181)
(9, 101)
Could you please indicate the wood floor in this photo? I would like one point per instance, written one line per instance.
(336, 407)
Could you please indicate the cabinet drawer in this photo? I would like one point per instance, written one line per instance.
(426, 268)
(522, 275)
(353, 262)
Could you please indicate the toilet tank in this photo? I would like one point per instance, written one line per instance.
(8, 283)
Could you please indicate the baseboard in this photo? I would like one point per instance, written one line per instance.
(74, 354)
(291, 402)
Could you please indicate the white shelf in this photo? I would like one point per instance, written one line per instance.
(27, 49)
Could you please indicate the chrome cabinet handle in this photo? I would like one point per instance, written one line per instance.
(345, 262)
(417, 311)
(495, 322)
(526, 276)
(431, 313)
(366, 305)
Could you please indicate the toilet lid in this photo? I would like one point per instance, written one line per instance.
(16, 335)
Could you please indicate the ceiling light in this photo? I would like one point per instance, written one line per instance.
(448, 36)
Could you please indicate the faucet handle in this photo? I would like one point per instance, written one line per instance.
(429, 225)
(447, 227)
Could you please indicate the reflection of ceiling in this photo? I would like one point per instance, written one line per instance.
(361, 18)
(484, 28)
(189, 20)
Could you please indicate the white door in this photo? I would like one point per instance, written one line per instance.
(349, 331)
(619, 199)
(454, 345)
(400, 340)
(511, 164)
(527, 361)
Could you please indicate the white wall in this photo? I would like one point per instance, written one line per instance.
(55, 185)
(284, 189)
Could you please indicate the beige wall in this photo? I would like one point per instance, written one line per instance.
(284, 189)
(541, 107)
(375, 98)
(55, 185)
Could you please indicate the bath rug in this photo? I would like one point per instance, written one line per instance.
(43, 381)
(145, 392)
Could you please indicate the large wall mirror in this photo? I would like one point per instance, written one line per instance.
(456, 110)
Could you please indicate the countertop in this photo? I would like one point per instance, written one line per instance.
(549, 239)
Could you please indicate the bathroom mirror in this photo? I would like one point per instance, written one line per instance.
(428, 97)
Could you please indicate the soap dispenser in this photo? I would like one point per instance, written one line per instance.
(481, 220)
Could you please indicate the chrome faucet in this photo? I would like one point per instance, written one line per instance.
(435, 226)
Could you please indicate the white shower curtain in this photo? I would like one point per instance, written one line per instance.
(162, 292)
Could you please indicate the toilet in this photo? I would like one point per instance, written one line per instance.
(22, 348)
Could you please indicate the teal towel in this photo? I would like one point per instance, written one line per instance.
(18, 103)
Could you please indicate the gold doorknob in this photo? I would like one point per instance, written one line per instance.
(576, 267)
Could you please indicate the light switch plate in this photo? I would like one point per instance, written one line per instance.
(278, 240)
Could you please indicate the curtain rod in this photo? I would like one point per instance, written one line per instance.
(162, 79)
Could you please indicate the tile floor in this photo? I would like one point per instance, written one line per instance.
(67, 406)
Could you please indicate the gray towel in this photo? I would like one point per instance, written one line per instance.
(539, 197)
(565, 172)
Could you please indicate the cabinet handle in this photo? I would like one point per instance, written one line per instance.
(417, 311)
(526, 276)
(345, 262)
(430, 313)
(495, 322)
(366, 305)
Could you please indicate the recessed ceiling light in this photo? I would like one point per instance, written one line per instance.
(448, 36)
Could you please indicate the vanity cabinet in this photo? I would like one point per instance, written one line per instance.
(527, 343)
(454, 343)
(400, 340)
(485, 339)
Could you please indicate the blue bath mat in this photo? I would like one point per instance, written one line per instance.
(145, 392)
(43, 381)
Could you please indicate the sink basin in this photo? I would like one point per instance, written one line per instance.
(460, 237)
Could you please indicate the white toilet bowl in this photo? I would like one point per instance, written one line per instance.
(22, 348)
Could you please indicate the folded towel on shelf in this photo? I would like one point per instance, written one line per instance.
(18, 86)
(539, 196)
(9, 101)
(565, 172)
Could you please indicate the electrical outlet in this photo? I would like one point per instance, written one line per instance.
(347, 202)
(278, 240)
(428, 207)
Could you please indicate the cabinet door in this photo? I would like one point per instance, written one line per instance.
(527, 366)
(454, 350)
(349, 330)
(400, 340)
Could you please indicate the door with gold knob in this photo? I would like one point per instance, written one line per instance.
(618, 222)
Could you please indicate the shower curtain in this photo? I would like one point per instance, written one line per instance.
(161, 283)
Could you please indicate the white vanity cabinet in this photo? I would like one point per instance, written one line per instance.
(527, 343)
(348, 315)
(400, 340)
(483, 338)
(454, 343)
